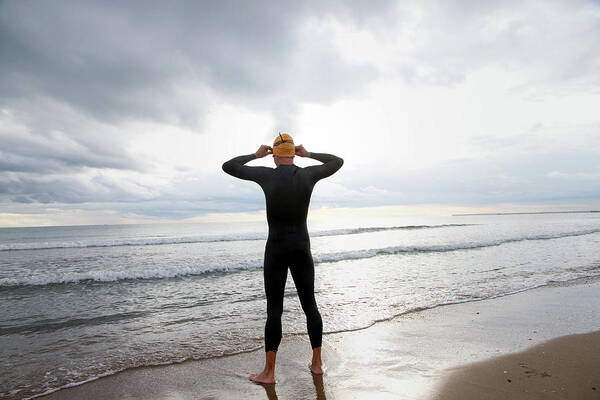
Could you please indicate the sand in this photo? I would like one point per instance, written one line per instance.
(449, 352)
(564, 368)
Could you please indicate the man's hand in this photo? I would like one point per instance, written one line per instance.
(263, 151)
(301, 151)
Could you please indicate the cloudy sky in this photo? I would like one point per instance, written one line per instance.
(117, 112)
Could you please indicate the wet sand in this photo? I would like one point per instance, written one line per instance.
(563, 368)
(446, 351)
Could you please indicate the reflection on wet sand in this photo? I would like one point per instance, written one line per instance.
(317, 381)
(270, 389)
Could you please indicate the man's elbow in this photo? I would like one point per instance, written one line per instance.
(340, 162)
(226, 167)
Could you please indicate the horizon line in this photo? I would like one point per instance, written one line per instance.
(530, 212)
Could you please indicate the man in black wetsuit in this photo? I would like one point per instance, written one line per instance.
(287, 191)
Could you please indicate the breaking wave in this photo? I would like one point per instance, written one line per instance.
(202, 269)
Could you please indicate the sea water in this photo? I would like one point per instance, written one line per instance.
(81, 302)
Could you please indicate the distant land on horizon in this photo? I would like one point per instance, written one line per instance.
(531, 212)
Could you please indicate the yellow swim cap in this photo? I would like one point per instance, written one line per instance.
(283, 146)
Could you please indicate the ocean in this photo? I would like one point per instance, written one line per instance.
(81, 302)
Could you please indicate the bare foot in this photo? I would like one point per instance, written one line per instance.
(316, 369)
(263, 377)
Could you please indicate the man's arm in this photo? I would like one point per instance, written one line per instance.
(330, 162)
(235, 166)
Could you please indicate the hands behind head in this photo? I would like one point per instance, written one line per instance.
(301, 151)
(263, 150)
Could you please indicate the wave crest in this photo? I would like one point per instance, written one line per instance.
(174, 272)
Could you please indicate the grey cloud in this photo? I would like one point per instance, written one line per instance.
(534, 178)
(49, 138)
(58, 189)
(185, 197)
(406, 191)
(555, 41)
(502, 178)
(129, 59)
(48, 157)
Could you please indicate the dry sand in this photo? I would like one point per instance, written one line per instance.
(415, 356)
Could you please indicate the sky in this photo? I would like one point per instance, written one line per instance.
(121, 112)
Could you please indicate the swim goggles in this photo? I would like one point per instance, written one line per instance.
(282, 140)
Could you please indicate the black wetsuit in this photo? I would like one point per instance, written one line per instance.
(287, 191)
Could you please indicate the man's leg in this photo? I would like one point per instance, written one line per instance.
(275, 275)
(303, 272)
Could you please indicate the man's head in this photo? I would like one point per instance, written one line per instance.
(283, 149)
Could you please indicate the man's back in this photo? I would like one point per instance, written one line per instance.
(287, 190)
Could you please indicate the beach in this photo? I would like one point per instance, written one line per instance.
(487, 349)
(399, 298)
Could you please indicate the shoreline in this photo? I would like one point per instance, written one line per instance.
(404, 357)
(289, 336)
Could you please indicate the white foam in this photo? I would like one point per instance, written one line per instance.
(173, 272)
(368, 253)
(137, 273)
